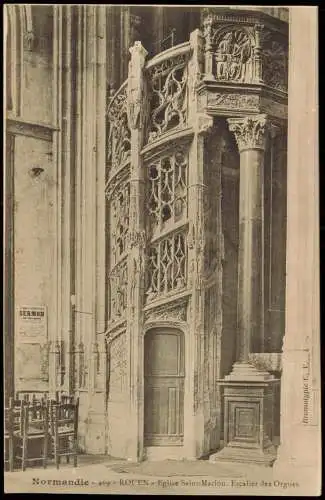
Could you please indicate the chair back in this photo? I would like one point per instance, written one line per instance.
(64, 416)
(30, 396)
(16, 415)
(35, 418)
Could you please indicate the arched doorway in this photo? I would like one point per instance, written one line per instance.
(164, 374)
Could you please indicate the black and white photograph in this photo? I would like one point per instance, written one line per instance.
(161, 326)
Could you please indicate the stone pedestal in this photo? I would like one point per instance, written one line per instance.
(248, 416)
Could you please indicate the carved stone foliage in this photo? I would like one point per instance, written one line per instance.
(119, 222)
(168, 89)
(117, 367)
(167, 191)
(118, 289)
(275, 63)
(119, 136)
(169, 312)
(234, 101)
(166, 267)
(250, 132)
(233, 55)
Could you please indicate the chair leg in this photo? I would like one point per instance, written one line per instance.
(45, 447)
(75, 451)
(24, 455)
(56, 452)
(11, 455)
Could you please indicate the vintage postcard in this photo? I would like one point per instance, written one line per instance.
(162, 329)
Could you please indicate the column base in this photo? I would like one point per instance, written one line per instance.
(245, 456)
(246, 372)
(248, 416)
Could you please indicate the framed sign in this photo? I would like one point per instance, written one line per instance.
(32, 323)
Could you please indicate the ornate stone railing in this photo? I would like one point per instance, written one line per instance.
(167, 77)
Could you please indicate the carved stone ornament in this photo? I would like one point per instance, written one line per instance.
(234, 55)
(135, 84)
(250, 132)
(234, 101)
(204, 124)
(119, 137)
(167, 313)
(137, 238)
(275, 63)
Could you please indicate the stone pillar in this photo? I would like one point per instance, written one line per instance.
(202, 125)
(275, 241)
(248, 392)
(250, 134)
(56, 317)
(300, 451)
(136, 254)
(89, 285)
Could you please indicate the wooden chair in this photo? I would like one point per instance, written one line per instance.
(64, 430)
(13, 427)
(33, 432)
(9, 436)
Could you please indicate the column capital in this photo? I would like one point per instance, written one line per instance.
(250, 131)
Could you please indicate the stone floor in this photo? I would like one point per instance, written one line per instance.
(102, 475)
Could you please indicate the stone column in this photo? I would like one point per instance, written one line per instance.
(250, 134)
(136, 255)
(55, 319)
(275, 241)
(299, 455)
(248, 392)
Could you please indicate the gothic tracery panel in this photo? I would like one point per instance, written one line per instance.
(118, 289)
(275, 63)
(119, 135)
(167, 191)
(119, 222)
(117, 368)
(167, 265)
(168, 88)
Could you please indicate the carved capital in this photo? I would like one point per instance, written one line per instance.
(250, 132)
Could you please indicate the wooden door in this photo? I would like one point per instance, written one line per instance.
(164, 388)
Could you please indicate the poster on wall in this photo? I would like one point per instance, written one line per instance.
(32, 323)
